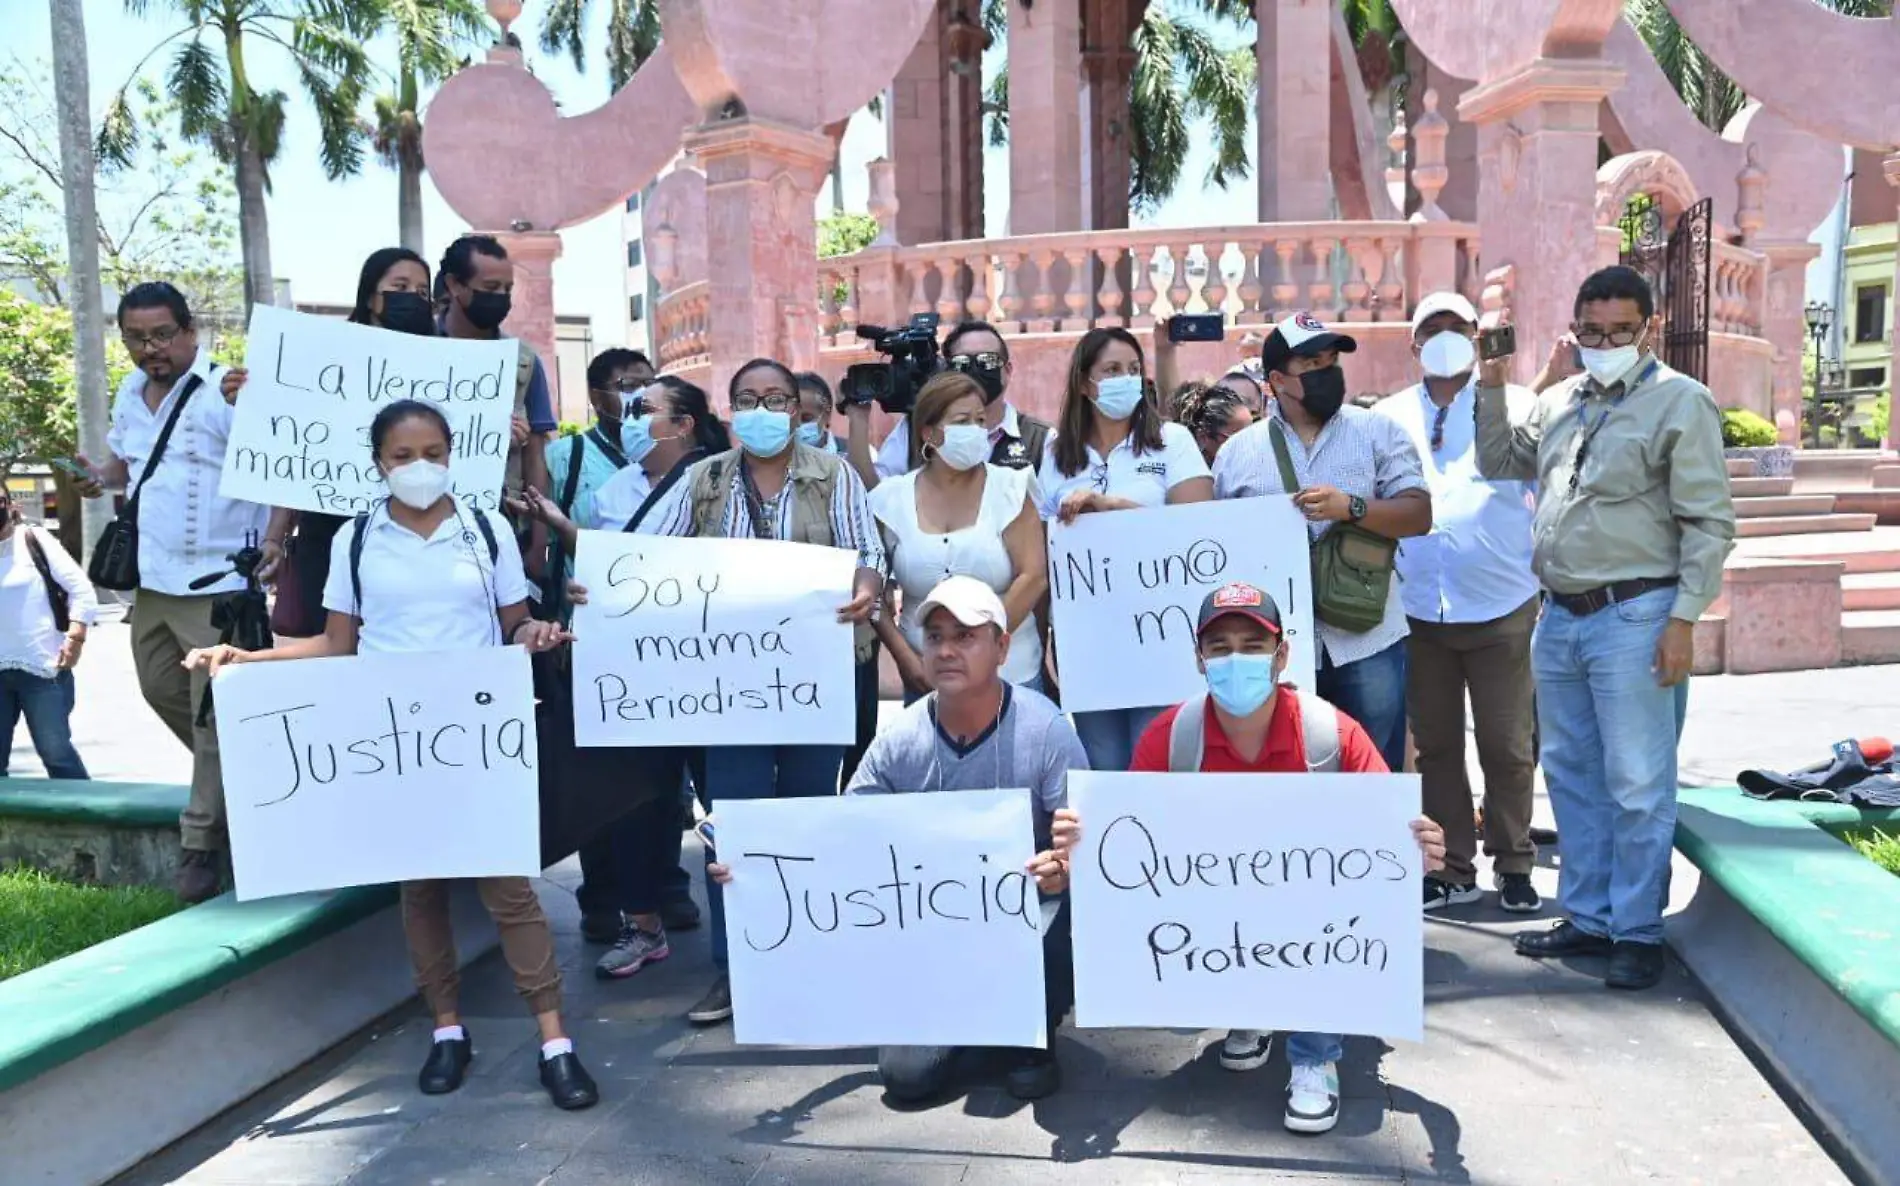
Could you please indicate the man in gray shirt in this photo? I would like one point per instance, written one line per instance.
(976, 732)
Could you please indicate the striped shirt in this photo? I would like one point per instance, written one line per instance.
(1357, 452)
(852, 525)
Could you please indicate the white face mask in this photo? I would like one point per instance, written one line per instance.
(1447, 354)
(1606, 366)
(419, 484)
(965, 446)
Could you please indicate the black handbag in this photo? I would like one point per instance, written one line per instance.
(115, 558)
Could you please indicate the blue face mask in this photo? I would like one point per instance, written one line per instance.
(810, 434)
(1117, 396)
(761, 432)
(1240, 684)
(636, 438)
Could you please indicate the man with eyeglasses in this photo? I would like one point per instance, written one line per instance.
(977, 349)
(1633, 525)
(185, 532)
(1470, 603)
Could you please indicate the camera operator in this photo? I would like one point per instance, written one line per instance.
(976, 349)
(185, 527)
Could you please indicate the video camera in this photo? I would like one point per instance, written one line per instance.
(893, 385)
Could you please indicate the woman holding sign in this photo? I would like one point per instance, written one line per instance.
(422, 573)
(959, 515)
(1113, 451)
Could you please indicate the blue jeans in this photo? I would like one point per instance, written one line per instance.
(47, 705)
(1609, 753)
(1310, 1050)
(762, 772)
(1109, 737)
(1371, 691)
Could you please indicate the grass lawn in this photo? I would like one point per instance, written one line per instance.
(1882, 848)
(43, 918)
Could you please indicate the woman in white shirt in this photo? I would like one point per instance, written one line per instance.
(426, 580)
(1113, 451)
(957, 515)
(40, 585)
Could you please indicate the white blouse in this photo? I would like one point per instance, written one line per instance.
(435, 594)
(920, 559)
(1142, 478)
(29, 638)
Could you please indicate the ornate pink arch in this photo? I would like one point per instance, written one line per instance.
(1651, 172)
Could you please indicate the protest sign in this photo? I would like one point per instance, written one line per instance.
(712, 642)
(376, 768)
(300, 437)
(1126, 588)
(1274, 901)
(900, 920)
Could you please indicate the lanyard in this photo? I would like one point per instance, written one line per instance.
(1589, 431)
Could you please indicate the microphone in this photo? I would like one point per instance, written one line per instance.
(1864, 751)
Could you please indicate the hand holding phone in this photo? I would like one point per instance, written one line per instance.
(1499, 341)
(1197, 327)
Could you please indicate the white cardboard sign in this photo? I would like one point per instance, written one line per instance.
(300, 437)
(379, 768)
(712, 642)
(1275, 902)
(1127, 586)
(904, 920)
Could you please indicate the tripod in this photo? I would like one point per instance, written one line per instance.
(242, 618)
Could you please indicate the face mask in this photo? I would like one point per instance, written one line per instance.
(408, 313)
(762, 432)
(1447, 354)
(487, 310)
(810, 434)
(990, 379)
(1117, 396)
(636, 438)
(419, 484)
(965, 446)
(1240, 683)
(1606, 366)
(1322, 392)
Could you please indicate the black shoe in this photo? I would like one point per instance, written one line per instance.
(447, 1065)
(1563, 939)
(198, 876)
(680, 915)
(1517, 894)
(715, 1006)
(1635, 965)
(1544, 837)
(1037, 1075)
(1440, 893)
(600, 926)
(568, 1083)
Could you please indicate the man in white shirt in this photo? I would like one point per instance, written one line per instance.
(186, 530)
(1471, 602)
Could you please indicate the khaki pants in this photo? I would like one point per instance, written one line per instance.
(526, 942)
(164, 628)
(1492, 661)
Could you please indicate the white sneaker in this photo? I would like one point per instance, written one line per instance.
(1245, 1050)
(1312, 1099)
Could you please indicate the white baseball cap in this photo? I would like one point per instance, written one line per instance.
(969, 601)
(1300, 334)
(1435, 303)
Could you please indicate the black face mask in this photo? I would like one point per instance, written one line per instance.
(408, 313)
(990, 379)
(487, 310)
(1322, 392)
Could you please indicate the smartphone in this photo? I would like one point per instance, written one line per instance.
(1497, 342)
(1197, 327)
(705, 830)
(74, 468)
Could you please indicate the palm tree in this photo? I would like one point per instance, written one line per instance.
(210, 80)
(633, 33)
(429, 35)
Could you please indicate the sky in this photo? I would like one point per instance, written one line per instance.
(321, 230)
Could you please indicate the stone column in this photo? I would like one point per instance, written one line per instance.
(1786, 328)
(1045, 125)
(915, 138)
(1108, 67)
(964, 43)
(1891, 167)
(1537, 156)
(1293, 45)
(531, 314)
(761, 180)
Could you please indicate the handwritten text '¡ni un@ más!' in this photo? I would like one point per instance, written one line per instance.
(909, 899)
(379, 382)
(401, 749)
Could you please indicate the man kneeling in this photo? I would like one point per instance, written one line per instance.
(978, 733)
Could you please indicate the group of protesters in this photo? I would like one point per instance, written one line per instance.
(1542, 554)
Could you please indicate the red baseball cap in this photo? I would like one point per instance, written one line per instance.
(1239, 598)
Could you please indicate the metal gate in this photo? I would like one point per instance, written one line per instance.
(1677, 267)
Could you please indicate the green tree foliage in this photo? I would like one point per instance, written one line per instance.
(37, 410)
(1743, 429)
(844, 233)
(633, 33)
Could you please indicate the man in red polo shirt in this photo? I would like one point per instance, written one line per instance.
(1250, 724)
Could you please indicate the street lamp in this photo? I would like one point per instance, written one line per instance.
(1820, 318)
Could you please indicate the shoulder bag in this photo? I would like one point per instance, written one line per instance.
(1352, 567)
(115, 558)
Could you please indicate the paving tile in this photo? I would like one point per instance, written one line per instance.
(449, 1165)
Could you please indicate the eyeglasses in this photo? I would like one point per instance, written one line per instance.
(771, 401)
(1438, 428)
(141, 343)
(1593, 337)
(987, 361)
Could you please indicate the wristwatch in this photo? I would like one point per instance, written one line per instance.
(1355, 508)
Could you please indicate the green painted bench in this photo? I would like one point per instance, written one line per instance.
(107, 833)
(1833, 909)
(124, 804)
